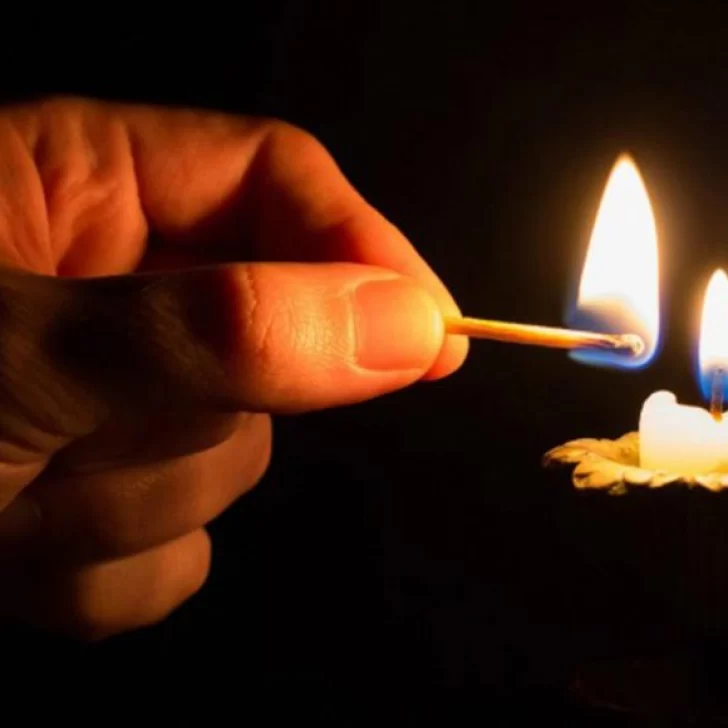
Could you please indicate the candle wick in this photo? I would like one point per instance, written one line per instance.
(717, 394)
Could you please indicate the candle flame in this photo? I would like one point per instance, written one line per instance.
(713, 346)
(619, 287)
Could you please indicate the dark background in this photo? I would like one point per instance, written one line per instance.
(408, 549)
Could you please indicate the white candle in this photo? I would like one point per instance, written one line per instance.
(681, 439)
(690, 440)
(619, 293)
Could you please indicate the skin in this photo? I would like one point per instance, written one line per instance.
(170, 280)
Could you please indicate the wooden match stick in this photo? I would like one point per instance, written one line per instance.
(554, 338)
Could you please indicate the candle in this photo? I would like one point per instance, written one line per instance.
(681, 439)
(619, 291)
(692, 440)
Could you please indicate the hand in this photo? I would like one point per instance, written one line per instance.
(140, 360)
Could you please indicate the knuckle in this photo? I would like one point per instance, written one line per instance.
(266, 322)
(257, 318)
(215, 480)
(197, 572)
(285, 136)
(194, 552)
(96, 610)
(60, 103)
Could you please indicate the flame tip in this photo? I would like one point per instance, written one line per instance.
(626, 159)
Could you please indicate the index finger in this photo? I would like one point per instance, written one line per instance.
(217, 180)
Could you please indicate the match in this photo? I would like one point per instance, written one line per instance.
(554, 338)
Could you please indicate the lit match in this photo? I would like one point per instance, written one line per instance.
(554, 338)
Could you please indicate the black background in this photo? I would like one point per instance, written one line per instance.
(407, 548)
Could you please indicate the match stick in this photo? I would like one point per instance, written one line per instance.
(547, 336)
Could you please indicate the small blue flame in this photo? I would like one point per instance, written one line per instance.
(710, 378)
(614, 319)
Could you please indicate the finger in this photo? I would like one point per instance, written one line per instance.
(276, 338)
(218, 179)
(104, 515)
(69, 203)
(324, 335)
(101, 600)
(82, 181)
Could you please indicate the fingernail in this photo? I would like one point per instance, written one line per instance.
(398, 324)
(20, 521)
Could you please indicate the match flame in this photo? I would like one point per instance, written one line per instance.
(619, 288)
(713, 346)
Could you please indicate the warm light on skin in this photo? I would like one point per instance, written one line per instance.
(619, 287)
(713, 346)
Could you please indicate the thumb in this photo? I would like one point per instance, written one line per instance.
(296, 337)
(278, 338)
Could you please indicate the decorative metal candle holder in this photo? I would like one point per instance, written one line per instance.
(648, 565)
(613, 466)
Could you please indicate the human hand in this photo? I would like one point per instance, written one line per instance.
(140, 359)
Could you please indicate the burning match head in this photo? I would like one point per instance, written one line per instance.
(629, 351)
(630, 345)
(634, 343)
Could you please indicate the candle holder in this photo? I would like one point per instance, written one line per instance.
(647, 588)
